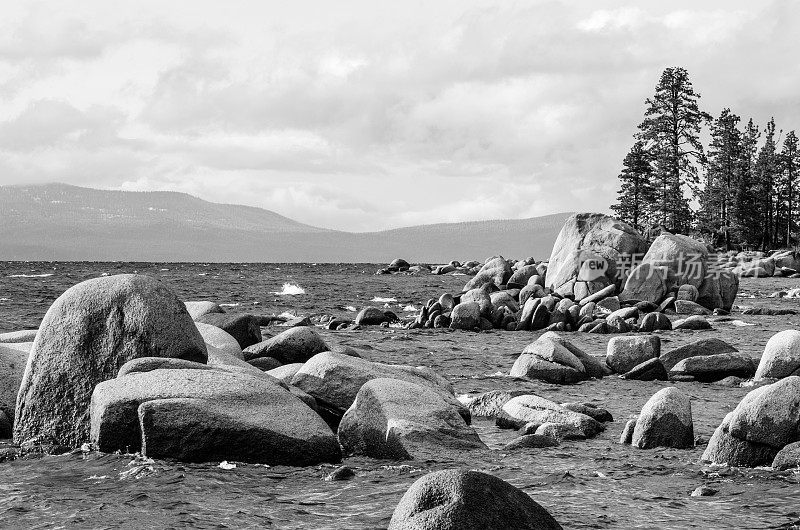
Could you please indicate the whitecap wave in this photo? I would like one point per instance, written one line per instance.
(351, 308)
(287, 315)
(290, 289)
(410, 308)
(30, 275)
(228, 305)
(384, 300)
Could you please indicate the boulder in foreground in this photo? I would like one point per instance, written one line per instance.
(402, 420)
(200, 415)
(665, 421)
(468, 500)
(88, 333)
(781, 357)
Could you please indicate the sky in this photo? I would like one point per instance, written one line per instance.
(367, 115)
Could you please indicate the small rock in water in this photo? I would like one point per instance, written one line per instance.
(341, 473)
(704, 491)
(226, 465)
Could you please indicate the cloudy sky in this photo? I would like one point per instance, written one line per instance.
(364, 115)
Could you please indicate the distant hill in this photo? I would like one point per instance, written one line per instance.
(61, 222)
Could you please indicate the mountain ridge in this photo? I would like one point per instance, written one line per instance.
(61, 222)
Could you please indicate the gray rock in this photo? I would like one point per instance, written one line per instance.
(650, 370)
(401, 420)
(665, 421)
(203, 307)
(466, 316)
(370, 316)
(590, 234)
(710, 368)
(655, 321)
(489, 404)
(468, 500)
(723, 448)
(781, 356)
(686, 307)
(87, 334)
(208, 415)
(593, 366)
(560, 431)
(244, 328)
(219, 339)
(286, 372)
(688, 292)
(624, 353)
(265, 364)
(13, 358)
(601, 415)
(496, 271)
(21, 336)
(769, 414)
(695, 322)
(521, 276)
(148, 364)
(290, 346)
(788, 457)
(695, 349)
(480, 296)
(534, 409)
(627, 432)
(334, 379)
(548, 361)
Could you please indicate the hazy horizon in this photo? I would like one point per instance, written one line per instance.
(362, 116)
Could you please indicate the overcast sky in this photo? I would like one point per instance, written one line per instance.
(374, 114)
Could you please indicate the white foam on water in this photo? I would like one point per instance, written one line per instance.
(287, 315)
(290, 289)
(162, 270)
(351, 308)
(30, 275)
(228, 305)
(227, 465)
(5, 299)
(385, 300)
(410, 308)
(741, 323)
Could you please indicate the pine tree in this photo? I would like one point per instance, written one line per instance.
(788, 160)
(670, 131)
(636, 193)
(765, 172)
(745, 215)
(717, 202)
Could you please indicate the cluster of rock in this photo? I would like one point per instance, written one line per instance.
(119, 362)
(400, 265)
(593, 282)
(781, 263)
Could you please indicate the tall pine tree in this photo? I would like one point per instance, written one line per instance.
(788, 161)
(636, 194)
(746, 208)
(717, 201)
(671, 134)
(765, 173)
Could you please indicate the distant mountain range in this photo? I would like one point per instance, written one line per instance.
(62, 222)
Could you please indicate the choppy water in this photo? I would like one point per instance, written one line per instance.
(584, 484)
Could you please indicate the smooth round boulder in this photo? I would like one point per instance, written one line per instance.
(88, 333)
(781, 357)
(291, 346)
(788, 457)
(665, 421)
(466, 316)
(370, 316)
(468, 500)
(548, 361)
(655, 321)
(203, 307)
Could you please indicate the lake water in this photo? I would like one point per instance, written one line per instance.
(596, 483)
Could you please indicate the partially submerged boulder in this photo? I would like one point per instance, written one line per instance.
(530, 408)
(291, 346)
(242, 327)
(549, 361)
(626, 352)
(665, 421)
(88, 333)
(781, 357)
(764, 422)
(468, 500)
(208, 415)
(402, 420)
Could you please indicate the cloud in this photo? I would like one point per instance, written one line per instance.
(376, 115)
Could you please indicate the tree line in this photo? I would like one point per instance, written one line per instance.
(739, 192)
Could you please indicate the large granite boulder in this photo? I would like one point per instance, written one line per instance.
(781, 357)
(468, 500)
(466, 315)
(588, 238)
(291, 346)
(765, 421)
(593, 366)
(401, 420)
(199, 415)
(672, 260)
(335, 379)
(244, 328)
(88, 333)
(703, 347)
(665, 421)
(711, 368)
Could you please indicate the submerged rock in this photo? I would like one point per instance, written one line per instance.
(468, 500)
(534, 409)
